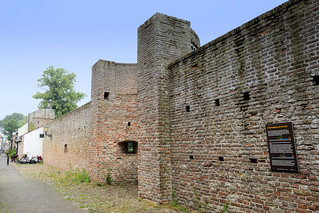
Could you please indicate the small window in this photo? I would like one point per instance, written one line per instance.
(129, 123)
(217, 102)
(253, 160)
(188, 108)
(65, 148)
(194, 46)
(106, 95)
(246, 96)
(128, 147)
(316, 79)
(41, 135)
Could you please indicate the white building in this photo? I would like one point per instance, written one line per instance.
(33, 142)
(31, 134)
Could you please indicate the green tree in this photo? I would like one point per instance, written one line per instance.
(11, 123)
(60, 93)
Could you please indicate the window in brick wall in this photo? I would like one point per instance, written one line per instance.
(253, 160)
(188, 108)
(194, 46)
(316, 79)
(246, 96)
(128, 147)
(217, 103)
(129, 123)
(65, 148)
(106, 95)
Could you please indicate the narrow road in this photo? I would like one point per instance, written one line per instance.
(21, 194)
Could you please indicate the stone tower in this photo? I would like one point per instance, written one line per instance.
(113, 122)
(40, 118)
(161, 40)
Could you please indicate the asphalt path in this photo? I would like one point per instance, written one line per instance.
(21, 194)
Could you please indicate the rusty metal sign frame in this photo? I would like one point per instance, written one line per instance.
(282, 147)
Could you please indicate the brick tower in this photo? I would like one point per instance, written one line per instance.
(161, 40)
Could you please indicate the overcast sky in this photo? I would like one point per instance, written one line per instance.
(74, 34)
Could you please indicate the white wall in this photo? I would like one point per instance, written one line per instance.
(22, 130)
(33, 143)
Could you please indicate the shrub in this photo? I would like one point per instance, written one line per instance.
(108, 179)
(83, 176)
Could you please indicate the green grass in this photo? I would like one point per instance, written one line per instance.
(75, 176)
(108, 179)
(83, 176)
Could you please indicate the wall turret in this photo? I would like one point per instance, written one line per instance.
(161, 40)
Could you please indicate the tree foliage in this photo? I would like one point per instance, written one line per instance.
(11, 123)
(60, 93)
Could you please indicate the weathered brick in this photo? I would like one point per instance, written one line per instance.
(303, 211)
(312, 208)
(199, 115)
(93, 134)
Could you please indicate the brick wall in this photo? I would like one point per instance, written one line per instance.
(273, 59)
(93, 137)
(114, 121)
(200, 119)
(161, 40)
(69, 146)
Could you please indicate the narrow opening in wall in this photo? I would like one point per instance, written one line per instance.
(188, 108)
(221, 158)
(65, 148)
(316, 79)
(246, 96)
(217, 102)
(41, 135)
(191, 157)
(128, 147)
(106, 95)
(253, 160)
(194, 66)
(194, 45)
(129, 123)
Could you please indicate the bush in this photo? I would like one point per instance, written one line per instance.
(11, 152)
(83, 176)
(108, 179)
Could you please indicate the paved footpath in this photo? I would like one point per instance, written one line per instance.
(21, 194)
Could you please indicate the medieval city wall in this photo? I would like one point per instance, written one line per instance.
(197, 117)
(114, 121)
(223, 95)
(67, 143)
(161, 40)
